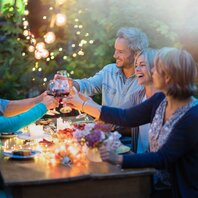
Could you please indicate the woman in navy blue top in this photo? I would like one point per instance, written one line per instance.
(173, 115)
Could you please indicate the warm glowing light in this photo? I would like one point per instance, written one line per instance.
(50, 37)
(73, 45)
(60, 49)
(40, 69)
(45, 79)
(51, 8)
(37, 55)
(40, 46)
(60, 2)
(52, 57)
(28, 37)
(44, 17)
(25, 23)
(91, 41)
(75, 26)
(80, 26)
(44, 53)
(25, 32)
(87, 34)
(60, 19)
(81, 53)
(23, 54)
(76, 20)
(74, 55)
(31, 48)
(64, 57)
(33, 41)
(26, 12)
(78, 32)
(33, 69)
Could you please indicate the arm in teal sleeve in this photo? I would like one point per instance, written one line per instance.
(14, 123)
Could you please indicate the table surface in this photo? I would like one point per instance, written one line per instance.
(36, 171)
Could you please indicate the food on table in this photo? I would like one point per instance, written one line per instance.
(67, 132)
(46, 142)
(22, 152)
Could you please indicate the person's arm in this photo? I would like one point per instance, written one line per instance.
(14, 123)
(11, 124)
(19, 106)
(182, 140)
(92, 85)
(134, 116)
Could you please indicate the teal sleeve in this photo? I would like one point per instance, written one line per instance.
(14, 123)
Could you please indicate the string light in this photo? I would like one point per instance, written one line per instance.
(59, 19)
(50, 37)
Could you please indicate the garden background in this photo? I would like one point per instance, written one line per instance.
(85, 42)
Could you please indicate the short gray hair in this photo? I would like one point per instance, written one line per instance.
(137, 39)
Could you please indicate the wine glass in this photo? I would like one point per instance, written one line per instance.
(65, 74)
(65, 108)
(58, 88)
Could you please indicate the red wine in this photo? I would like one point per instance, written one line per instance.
(58, 93)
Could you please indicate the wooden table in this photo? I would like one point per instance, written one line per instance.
(34, 178)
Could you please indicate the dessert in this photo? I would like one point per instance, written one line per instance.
(22, 152)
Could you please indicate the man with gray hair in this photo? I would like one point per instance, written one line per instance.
(116, 81)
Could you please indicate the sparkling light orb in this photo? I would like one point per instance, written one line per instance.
(60, 19)
(37, 55)
(50, 37)
(44, 53)
(40, 46)
(31, 48)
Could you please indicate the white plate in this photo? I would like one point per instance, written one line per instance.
(10, 135)
(123, 149)
(11, 155)
(26, 136)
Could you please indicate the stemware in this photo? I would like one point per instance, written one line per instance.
(65, 74)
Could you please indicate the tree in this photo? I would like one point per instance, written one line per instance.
(84, 44)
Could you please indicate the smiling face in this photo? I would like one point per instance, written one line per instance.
(123, 56)
(142, 71)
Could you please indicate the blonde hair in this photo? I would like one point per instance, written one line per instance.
(149, 54)
(180, 66)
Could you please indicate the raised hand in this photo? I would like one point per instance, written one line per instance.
(50, 102)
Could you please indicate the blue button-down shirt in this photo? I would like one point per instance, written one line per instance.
(3, 106)
(112, 83)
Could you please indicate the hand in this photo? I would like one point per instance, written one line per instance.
(110, 156)
(50, 102)
(74, 100)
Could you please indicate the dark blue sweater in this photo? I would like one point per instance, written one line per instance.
(179, 155)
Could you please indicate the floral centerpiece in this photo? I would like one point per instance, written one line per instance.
(93, 136)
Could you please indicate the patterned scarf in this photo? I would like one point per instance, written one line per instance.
(159, 133)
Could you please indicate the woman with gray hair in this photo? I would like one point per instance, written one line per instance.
(173, 115)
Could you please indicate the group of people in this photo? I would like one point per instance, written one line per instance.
(148, 92)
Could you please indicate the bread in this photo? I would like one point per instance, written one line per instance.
(22, 152)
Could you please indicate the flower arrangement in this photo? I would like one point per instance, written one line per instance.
(94, 135)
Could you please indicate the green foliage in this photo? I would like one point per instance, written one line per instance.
(100, 18)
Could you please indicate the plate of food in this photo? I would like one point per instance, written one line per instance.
(21, 154)
(29, 136)
(123, 149)
(9, 134)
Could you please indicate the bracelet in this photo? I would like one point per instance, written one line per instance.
(83, 104)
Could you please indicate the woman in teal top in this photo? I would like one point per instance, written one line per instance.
(18, 119)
